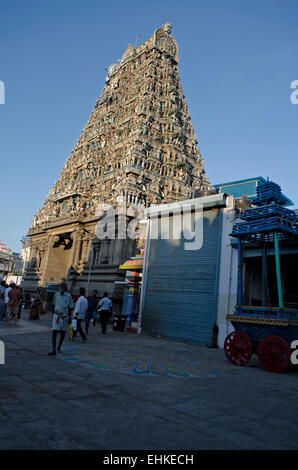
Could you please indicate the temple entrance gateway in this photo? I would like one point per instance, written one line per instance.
(58, 264)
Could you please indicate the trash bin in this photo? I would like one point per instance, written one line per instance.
(119, 322)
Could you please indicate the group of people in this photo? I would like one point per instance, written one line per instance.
(70, 314)
(67, 314)
(11, 298)
(11, 302)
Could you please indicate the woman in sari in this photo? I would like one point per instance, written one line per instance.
(37, 307)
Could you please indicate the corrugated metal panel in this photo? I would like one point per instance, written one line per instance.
(181, 289)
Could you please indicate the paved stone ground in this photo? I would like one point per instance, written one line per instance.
(121, 391)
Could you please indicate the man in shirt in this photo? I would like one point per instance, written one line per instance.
(79, 313)
(14, 296)
(91, 312)
(20, 302)
(2, 300)
(6, 299)
(62, 304)
(106, 308)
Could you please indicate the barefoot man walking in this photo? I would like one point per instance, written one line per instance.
(63, 303)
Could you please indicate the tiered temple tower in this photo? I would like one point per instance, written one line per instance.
(138, 147)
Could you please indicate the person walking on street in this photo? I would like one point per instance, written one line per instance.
(27, 301)
(6, 299)
(106, 309)
(91, 312)
(20, 302)
(14, 296)
(79, 313)
(37, 307)
(62, 304)
(2, 300)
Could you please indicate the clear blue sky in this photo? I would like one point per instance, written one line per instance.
(237, 60)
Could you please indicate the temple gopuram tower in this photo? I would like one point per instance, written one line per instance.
(138, 147)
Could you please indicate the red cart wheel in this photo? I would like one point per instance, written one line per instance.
(238, 348)
(274, 353)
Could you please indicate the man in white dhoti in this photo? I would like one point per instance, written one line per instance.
(63, 303)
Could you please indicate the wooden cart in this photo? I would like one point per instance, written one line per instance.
(267, 331)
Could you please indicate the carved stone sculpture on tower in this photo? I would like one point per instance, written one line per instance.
(137, 146)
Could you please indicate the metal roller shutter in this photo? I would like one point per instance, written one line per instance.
(181, 288)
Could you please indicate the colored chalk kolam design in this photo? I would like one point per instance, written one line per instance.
(172, 361)
(265, 330)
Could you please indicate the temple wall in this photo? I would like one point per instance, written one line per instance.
(73, 252)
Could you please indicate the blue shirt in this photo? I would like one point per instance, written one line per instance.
(105, 303)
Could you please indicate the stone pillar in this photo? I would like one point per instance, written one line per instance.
(88, 251)
(48, 245)
(96, 248)
(83, 252)
(41, 260)
(76, 238)
(34, 255)
(31, 278)
(87, 240)
(78, 253)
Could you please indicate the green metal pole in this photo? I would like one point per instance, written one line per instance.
(264, 296)
(240, 273)
(278, 275)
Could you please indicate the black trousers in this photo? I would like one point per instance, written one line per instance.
(89, 317)
(19, 311)
(79, 329)
(104, 315)
(54, 338)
